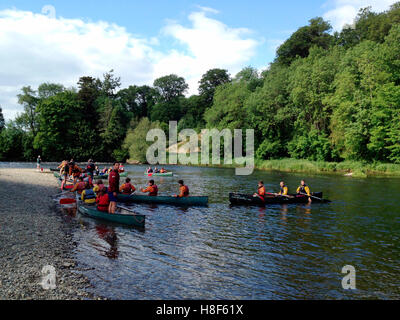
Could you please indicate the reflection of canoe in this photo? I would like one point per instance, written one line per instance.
(166, 174)
(123, 216)
(186, 201)
(248, 199)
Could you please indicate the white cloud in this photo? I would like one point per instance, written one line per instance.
(35, 48)
(344, 11)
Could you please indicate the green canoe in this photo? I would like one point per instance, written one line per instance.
(187, 201)
(167, 174)
(124, 217)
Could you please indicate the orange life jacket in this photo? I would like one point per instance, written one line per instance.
(127, 188)
(184, 191)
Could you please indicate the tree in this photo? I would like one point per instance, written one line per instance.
(28, 118)
(170, 87)
(47, 90)
(135, 140)
(2, 122)
(210, 81)
(138, 100)
(300, 42)
(110, 84)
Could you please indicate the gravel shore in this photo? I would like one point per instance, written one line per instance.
(33, 234)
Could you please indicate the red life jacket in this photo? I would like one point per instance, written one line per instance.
(81, 187)
(184, 191)
(102, 203)
(127, 188)
(154, 192)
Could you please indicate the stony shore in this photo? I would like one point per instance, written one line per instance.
(33, 234)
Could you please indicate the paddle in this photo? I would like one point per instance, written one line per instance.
(320, 199)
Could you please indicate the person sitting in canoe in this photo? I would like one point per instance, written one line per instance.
(127, 188)
(156, 170)
(99, 185)
(149, 170)
(184, 190)
(102, 200)
(96, 171)
(79, 186)
(121, 168)
(261, 191)
(163, 170)
(152, 189)
(284, 189)
(88, 195)
(304, 189)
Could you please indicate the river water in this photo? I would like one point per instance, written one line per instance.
(223, 252)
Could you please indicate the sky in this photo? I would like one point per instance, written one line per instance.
(59, 41)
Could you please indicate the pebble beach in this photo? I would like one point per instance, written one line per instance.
(33, 234)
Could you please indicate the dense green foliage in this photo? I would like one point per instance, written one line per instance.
(326, 97)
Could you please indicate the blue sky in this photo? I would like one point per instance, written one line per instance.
(142, 40)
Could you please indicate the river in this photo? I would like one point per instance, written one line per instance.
(223, 252)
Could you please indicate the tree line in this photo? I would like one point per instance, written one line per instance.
(327, 96)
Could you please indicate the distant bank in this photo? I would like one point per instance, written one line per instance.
(356, 169)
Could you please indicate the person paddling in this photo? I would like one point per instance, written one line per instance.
(304, 189)
(127, 188)
(183, 189)
(284, 189)
(152, 189)
(261, 191)
(113, 187)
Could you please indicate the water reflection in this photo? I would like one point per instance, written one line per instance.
(109, 235)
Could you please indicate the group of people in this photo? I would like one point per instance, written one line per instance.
(71, 169)
(150, 170)
(106, 197)
(303, 189)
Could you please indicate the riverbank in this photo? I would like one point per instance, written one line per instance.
(354, 169)
(34, 235)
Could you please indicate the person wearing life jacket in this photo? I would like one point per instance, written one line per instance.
(90, 168)
(284, 189)
(102, 200)
(76, 171)
(96, 171)
(79, 186)
(261, 191)
(163, 170)
(121, 168)
(304, 189)
(64, 170)
(113, 187)
(152, 189)
(98, 186)
(156, 170)
(127, 188)
(88, 195)
(149, 170)
(183, 189)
